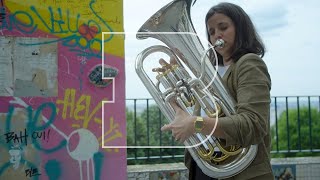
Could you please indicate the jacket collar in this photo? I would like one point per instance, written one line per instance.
(228, 72)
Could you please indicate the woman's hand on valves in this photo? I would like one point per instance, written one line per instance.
(182, 127)
(164, 65)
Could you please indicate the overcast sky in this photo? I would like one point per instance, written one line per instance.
(289, 28)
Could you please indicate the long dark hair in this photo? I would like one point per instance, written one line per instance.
(247, 39)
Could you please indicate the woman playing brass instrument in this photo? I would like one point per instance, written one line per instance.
(247, 79)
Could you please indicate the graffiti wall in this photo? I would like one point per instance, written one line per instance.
(52, 88)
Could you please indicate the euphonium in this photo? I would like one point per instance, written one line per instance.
(172, 25)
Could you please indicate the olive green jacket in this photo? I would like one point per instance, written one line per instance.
(249, 83)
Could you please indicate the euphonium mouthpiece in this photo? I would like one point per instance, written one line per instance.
(219, 43)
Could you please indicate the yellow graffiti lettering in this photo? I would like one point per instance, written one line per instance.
(98, 120)
(68, 101)
(78, 109)
(111, 134)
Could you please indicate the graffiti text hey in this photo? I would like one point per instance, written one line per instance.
(78, 109)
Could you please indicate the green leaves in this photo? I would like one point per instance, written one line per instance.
(297, 130)
(143, 129)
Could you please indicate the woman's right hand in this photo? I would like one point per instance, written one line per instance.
(164, 65)
(182, 127)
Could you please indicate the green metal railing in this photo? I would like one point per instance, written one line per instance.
(294, 122)
(302, 124)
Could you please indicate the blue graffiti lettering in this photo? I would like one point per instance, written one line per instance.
(23, 27)
(77, 22)
(53, 169)
(56, 25)
(32, 125)
(98, 162)
(53, 22)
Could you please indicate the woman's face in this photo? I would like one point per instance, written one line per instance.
(221, 26)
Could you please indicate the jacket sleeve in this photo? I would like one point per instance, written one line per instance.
(252, 85)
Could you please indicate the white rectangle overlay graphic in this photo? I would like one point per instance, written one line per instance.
(126, 35)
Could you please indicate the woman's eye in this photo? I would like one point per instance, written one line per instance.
(222, 28)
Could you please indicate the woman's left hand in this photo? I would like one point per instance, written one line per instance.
(182, 126)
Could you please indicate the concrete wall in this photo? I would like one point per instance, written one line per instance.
(304, 168)
(51, 90)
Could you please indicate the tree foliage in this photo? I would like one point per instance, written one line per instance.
(144, 130)
(295, 134)
(297, 131)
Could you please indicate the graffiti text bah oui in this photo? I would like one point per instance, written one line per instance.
(22, 136)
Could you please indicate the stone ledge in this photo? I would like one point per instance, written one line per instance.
(300, 168)
(156, 167)
(181, 166)
(296, 160)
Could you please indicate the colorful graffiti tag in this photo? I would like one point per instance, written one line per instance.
(50, 109)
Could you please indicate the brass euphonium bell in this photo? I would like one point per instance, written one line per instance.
(172, 25)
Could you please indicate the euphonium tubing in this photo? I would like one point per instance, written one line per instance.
(213, 157)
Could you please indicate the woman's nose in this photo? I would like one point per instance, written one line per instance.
(218, 37)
